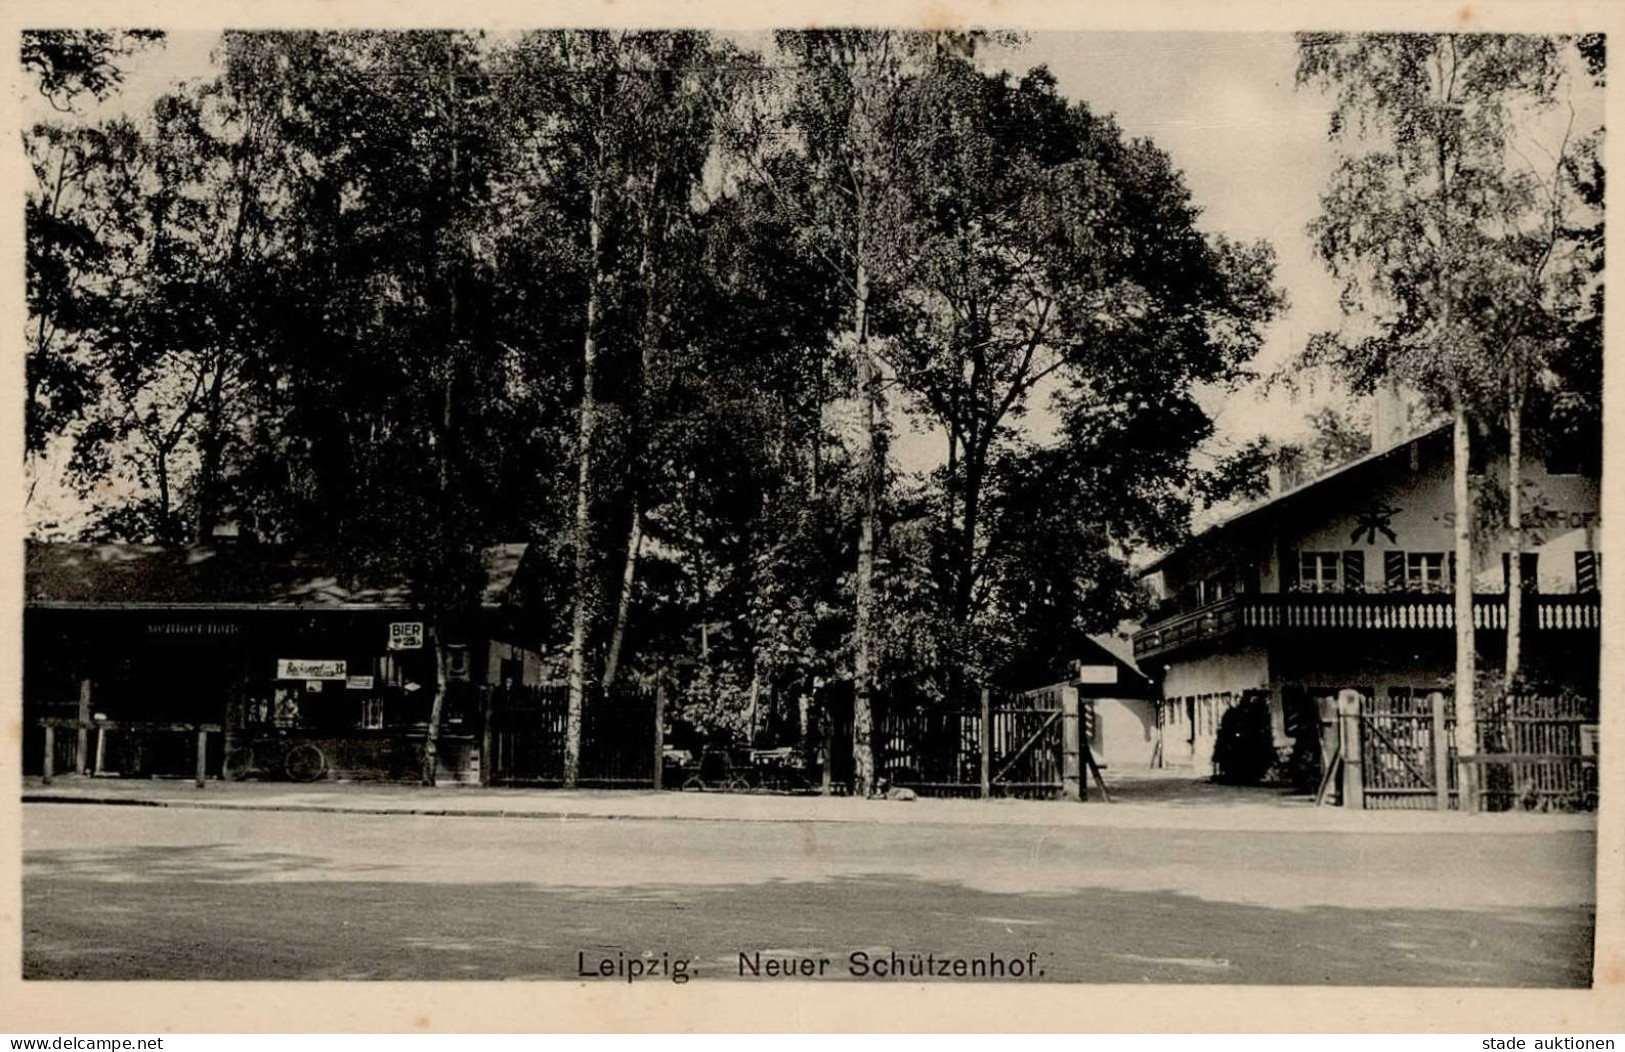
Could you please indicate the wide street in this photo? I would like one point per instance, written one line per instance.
(116, 892)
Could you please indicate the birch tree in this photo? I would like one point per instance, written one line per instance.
(1416, 226)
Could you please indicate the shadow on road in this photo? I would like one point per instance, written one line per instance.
(219, 913)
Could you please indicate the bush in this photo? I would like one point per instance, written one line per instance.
(1244, 750)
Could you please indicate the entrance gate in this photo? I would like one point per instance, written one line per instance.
(1399, 759)
(1533, 752)
(1026, 746)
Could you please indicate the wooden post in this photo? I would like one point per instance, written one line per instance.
(101, 747)
(827, 723)
(987, 744)
(202, 756)
(81, 754)
(49, 770)
(487, 761)
(1348, 711)
(660, 734)
(1072, 787)
(1441, 754)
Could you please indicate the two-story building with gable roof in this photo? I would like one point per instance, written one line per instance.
(1347, 582)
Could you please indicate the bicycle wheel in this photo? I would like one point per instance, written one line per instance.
(305, 763)
(239, 763)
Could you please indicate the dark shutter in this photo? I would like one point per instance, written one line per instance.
(1450, 580)
(1354, 571)
(1393, 571)
(1586, 571)
(1530, 564)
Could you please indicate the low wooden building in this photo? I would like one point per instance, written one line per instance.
(271, 646)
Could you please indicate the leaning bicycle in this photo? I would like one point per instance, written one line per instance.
(268, 757)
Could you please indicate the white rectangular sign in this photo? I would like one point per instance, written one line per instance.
(406, 635)
(305, 668)
(359, 683)
(1097, 673)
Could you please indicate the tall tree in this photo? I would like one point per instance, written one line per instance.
(846, 105)
(1052, 258)
(1416, 225)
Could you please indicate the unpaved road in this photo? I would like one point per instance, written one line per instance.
(147, 893)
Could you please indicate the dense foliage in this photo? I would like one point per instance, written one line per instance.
(654, 305)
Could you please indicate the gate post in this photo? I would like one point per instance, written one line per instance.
(987, 744)
(1348, 711)
(49, 769)
(202, 756)
(81, 755)
(1441, 754)
(487, 760)
(660, 733)
(1071, 775)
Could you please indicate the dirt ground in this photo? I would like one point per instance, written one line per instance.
(167, 893)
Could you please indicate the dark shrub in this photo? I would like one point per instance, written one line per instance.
(1244, 750)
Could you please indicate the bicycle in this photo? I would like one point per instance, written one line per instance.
(298, 761)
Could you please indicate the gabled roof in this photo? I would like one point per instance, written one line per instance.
(1120, 650)
(247, 576)
(1276, 501)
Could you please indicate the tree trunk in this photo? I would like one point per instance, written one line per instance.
(583, 517)
(650, 338)
(1514, 654)
(1466, 727)
(863, 757)
(431, 740)
(624, 607)
(209, 466)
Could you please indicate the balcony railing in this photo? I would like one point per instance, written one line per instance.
(1396, 611)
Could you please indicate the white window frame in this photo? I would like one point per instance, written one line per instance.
(1425, 572)
(1318, 579)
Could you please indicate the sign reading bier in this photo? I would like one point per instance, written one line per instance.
(305, 668)
(406, 635)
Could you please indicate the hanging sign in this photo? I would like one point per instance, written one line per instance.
(305, 668)
(406, 635)
(358, 683)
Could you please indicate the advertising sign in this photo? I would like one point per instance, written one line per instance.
(306, 668)
(406, 635)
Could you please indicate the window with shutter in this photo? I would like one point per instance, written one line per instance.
(1354, 571)
(1393, 571)
(1587, 569)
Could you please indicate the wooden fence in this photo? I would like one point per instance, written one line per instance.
(527, 734)
(1532, 752)
(1008, 745)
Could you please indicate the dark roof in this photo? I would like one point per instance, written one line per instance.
(1276, 500)
(248, 576)
(1120, 652)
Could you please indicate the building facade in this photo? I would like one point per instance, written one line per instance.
(1347, 583)
(262, 643)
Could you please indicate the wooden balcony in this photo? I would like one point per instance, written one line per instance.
(1264, 616)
